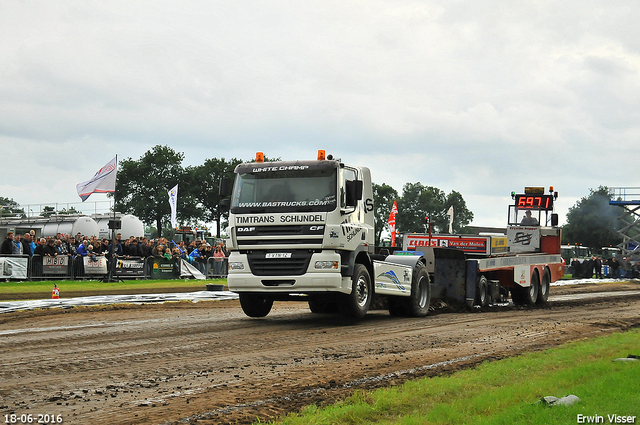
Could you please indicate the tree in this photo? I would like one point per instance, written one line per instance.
(420, 201)
(71, 210)
(47, 211)
(592, 221)
(143, 185)
(10, 208)
(206, 178)
(383, 197)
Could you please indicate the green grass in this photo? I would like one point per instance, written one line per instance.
(42, 289)
(505, 392)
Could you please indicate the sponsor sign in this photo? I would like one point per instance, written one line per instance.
(130, 267)
(13, 267)
(163, 269)
(474, 245)
(523, 238)
(95, 266)
(55, 265)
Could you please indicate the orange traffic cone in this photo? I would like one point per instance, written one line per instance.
(55, 294)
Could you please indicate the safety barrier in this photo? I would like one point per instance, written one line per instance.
(65, 267)
(217, 269)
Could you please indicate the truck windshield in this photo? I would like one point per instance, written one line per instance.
(285, 190)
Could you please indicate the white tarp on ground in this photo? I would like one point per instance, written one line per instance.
(187, 270)
(7, 307)
(563, 282)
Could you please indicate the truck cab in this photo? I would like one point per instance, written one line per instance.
(300, 228)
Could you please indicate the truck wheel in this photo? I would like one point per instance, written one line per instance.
(255, 305)
(482, 296)
(356, 304)
(534, 289)
(543, 294)
(418, 303)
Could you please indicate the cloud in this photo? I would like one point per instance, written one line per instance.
(482, 98)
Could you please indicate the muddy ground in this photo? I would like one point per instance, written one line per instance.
(208, 363)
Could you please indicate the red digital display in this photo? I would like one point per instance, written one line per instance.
(534, 202)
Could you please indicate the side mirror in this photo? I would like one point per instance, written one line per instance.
(225, 204)
(554, 219)
(226, 187)
(353, 190)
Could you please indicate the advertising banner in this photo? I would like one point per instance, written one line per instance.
(473, 244)
(163, 269)
(523, 238)
(97, 266)
(133, 267)
(13, 267)
(55, 265)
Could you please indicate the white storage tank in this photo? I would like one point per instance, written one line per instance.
(131, 225)
(68, 225)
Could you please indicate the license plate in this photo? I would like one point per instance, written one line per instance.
(278, 255)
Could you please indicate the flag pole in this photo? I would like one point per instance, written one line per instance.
(112, 262)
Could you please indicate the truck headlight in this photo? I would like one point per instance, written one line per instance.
(236, 266)
(326, 265)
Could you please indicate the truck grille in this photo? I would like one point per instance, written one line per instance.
(296, 265)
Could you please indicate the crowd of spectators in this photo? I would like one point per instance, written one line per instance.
(197, 252)
(616, 268)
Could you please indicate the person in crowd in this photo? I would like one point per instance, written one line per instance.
(61, 248)
(83, 248)
(587, 268)
(40, 247)
(7, 245)
(167, 254)
(176, 254)
(576, 266)
(34, 240)
(50, 249)
(615, 265)
(597, 265)
(91, 253)
(115, 248)
(26, 244)
(195, 258)
(143, 251)
(70, 242)
(125, 247)
(133, 247)
(218, 256)
(151, 245)
(17, 245)
(158, 251)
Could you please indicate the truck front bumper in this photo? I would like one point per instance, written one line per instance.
(240, 278)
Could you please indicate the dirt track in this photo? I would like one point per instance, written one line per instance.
(207, 362)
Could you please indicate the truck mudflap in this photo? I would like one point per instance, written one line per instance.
(453, 276)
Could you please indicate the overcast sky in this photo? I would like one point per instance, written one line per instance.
(483, 98)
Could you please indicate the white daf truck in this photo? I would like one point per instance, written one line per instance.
(304, 230)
